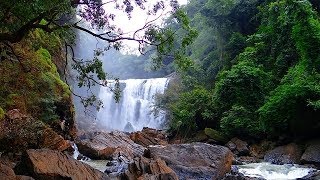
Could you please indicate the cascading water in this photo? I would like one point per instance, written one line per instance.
(134, 111)
(274, 172)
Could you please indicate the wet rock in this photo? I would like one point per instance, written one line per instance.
(238, 147)
(236, 175)
(102, 145)
(312, 153)
(311, 175)
(144, 168)
(48, 164)
(288, 154)
(195, 160)
(149, 136)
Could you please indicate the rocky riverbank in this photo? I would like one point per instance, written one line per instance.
(33, 150)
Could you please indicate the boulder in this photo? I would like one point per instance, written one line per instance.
(6, 173)
(48, 164)
(288, 154)
(312, 153)
(20, 132)
(144, 168)
(102, 145)
(195, 160)
(149, 136)
(237, 146)
(51, 140)
(215, 135)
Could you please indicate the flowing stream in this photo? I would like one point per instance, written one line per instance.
(135, 109)
(274, 172)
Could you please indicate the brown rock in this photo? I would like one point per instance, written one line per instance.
(149, 136)
(24, 178)
(15, 114)
(44, 164)
(288, 154)
(6, 173)
(195, 160)
(260, 150)
(144, 168)
(238, 146)
(51, 140)
(312, 153)
(102, 145)
(24, 132)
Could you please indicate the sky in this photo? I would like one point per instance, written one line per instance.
(138, 20)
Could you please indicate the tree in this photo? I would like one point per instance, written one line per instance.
(18, 18)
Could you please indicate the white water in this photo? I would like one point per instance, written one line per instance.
(273, 172)
(134, 111)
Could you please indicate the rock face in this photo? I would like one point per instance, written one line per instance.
(237, 146)
(195, 160)
(46, 164)
(288, 154)
(6, 173)
(312, 153)
(109, 146)
(144, 168)
(20, 132)
(149, 136)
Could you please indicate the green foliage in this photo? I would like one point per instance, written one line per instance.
(238, 93)
(193, 111)
(288, 108)
(2, 113)
(241, 122)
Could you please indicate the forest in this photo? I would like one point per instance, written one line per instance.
(255, 70)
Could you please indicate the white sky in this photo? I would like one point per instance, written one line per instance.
(138, 20)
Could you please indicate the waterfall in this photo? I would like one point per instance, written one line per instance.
(134, 111)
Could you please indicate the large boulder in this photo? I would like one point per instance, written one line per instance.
(149, 136)
(144, 168)
(312, 153)
(195, 160)
(288, 154)
(44, 164)
(102, 145)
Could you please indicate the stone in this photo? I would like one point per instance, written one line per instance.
(149, 136)
(25, 132)
(259, 150)
(287, 154)
(215, 135)
(236, 175)
(15, 114)
(312, 153)
(102, 145)
(144, 168)
(46, 164)
(195, 160)
(237, 146)
(51, 140)
(6, 173)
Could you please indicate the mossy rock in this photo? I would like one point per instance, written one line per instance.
(215, 135)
